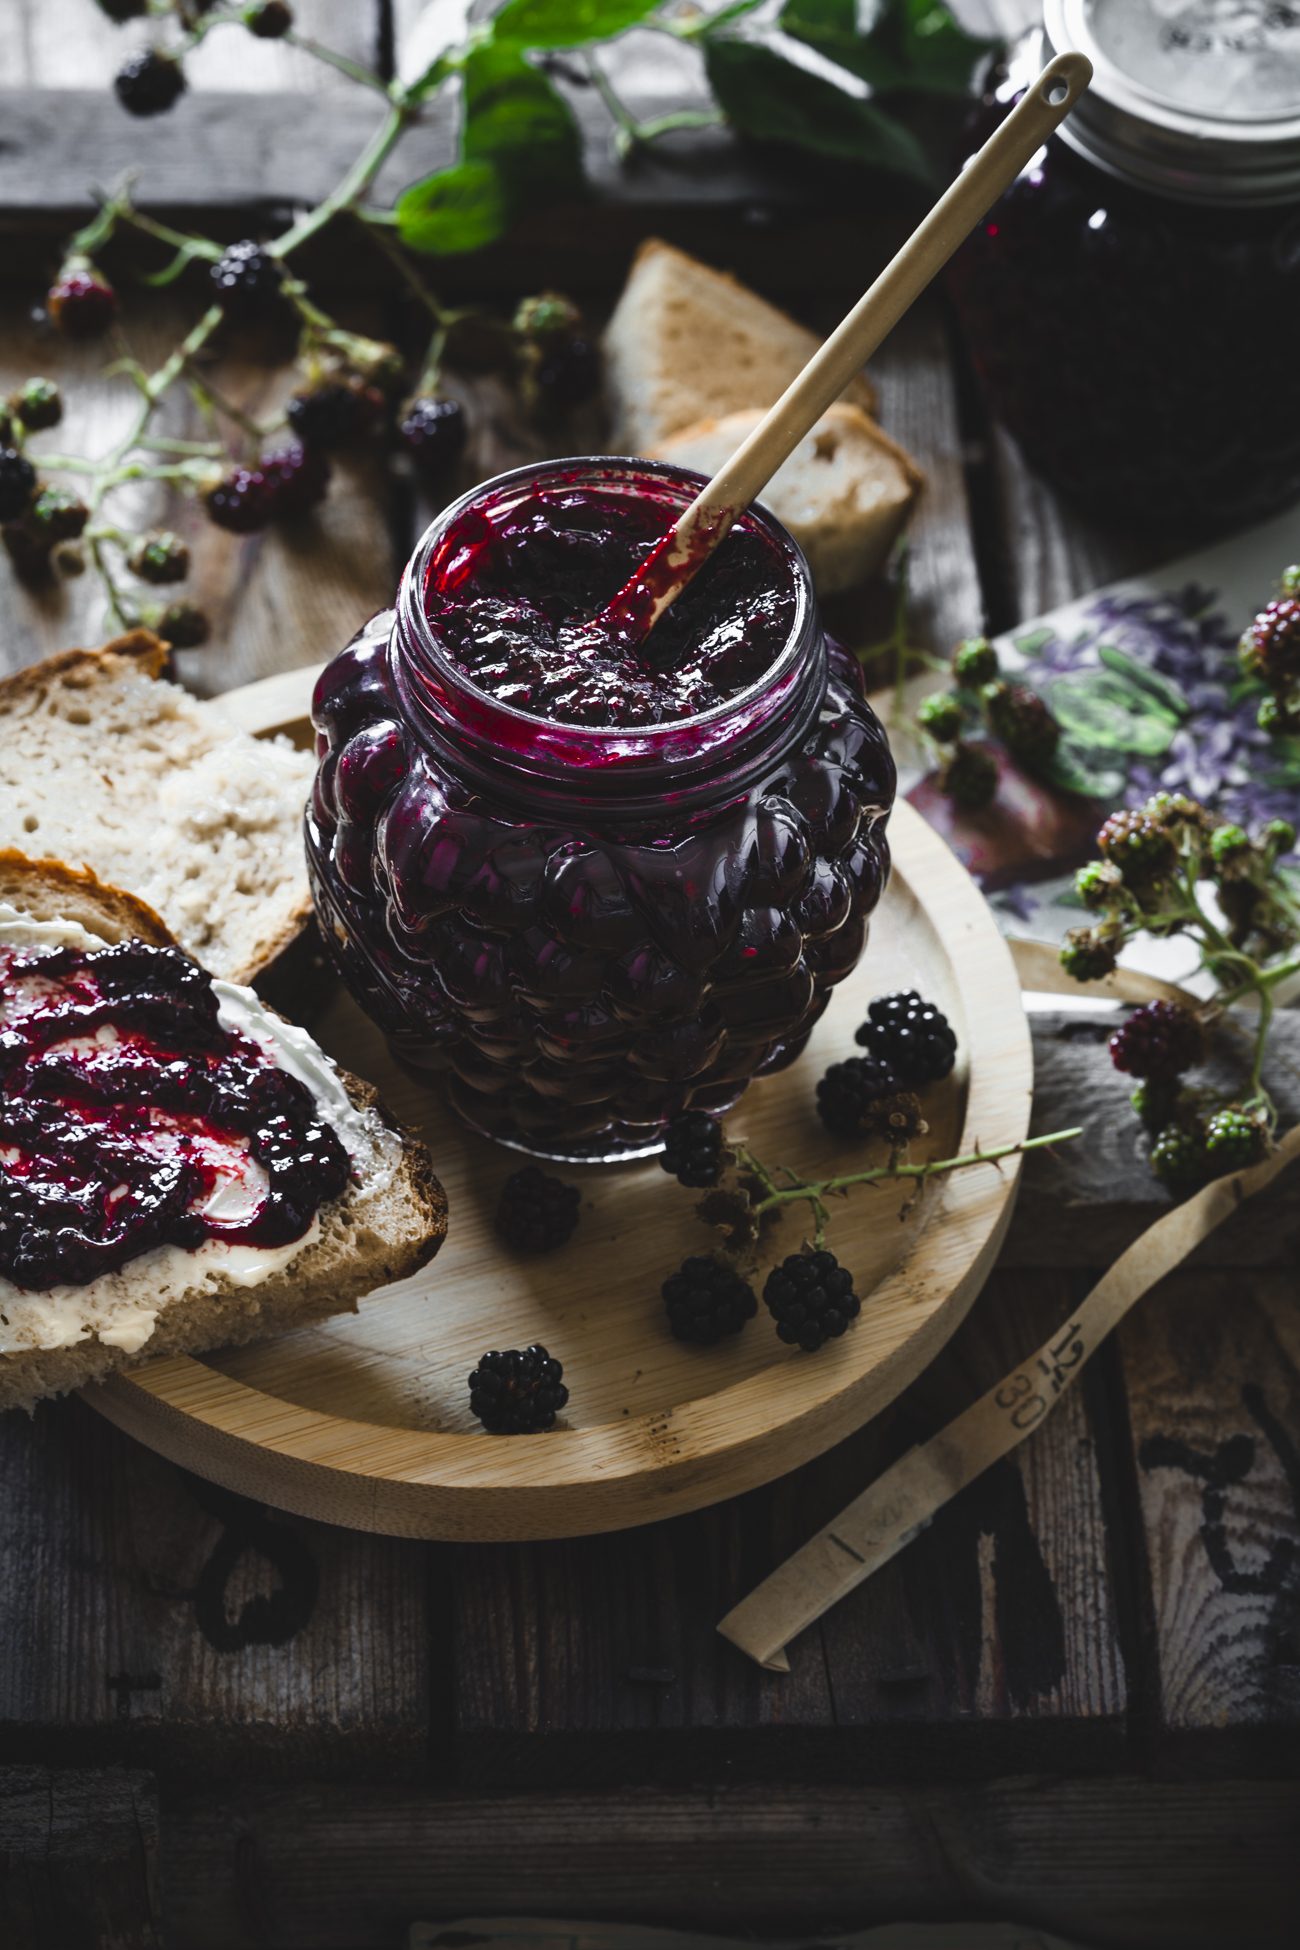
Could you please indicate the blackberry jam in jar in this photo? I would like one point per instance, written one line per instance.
(595, 885)
(1132, 303)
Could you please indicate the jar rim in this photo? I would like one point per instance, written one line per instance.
(610, 759)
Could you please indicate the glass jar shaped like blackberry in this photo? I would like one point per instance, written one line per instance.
(1132, 303)
(596, 883)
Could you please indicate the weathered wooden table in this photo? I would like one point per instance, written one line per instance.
(1072, 1702)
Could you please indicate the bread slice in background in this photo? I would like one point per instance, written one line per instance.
(390, 1221)
(845, 493)
(688, 343)
(106, 764)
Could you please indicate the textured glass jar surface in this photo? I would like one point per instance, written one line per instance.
(591, 930)
(1141, 348)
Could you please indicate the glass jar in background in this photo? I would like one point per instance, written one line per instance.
(590, 928)
(1132, 303)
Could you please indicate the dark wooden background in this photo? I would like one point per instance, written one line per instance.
(1072, 1702)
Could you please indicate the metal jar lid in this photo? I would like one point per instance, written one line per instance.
(1197, 99)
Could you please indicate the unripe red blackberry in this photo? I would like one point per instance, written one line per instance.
(268, 19)
(148, 83)
(246, 281)
(1087, 955)
(1270, 648)
(970, 778)
(159, 558)
(975, 663)
(1157, 1040)
(1233, 1140)
(941, 717)
(17, 483)
(1141, 850)
(38, 404)
(1020, 718)
(80, 302)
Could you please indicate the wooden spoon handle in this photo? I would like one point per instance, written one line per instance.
(990, 171)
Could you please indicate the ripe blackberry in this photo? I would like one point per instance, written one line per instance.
(705, 1300)
(1233, 1140)
(57, 515)
(149, 82)
(29, 554)
(536, 1213)
(1087, 955)
(1178, 1157)
(518, 1392)
(283, 484)
(975, 662)
(38, 404)
(433, 432)
(1020, 718)
(159, 558)
(120, 11)
(17, 481)
(1270, 647)
(81, 303)
(909, 1037)
(810, 1297)
(338, 413)
(568, 372)
(184, 625)
(1140, 848)
(246, 281)
(692, 1151)
(268, 19)
(1097, 884)
(941, 717)
(1157, 1040)
(970, 778)
(849, 1092)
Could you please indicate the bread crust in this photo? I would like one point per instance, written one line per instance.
(312, 1287)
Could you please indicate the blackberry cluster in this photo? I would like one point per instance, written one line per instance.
(693, 1148)
(909, 1037)
(337, 414)
(706, 1300)
(970, 778)
(536, 1213)
(810, 1296)
(1233, 1140)
(1089, 954)
(1159, 1040)
(1178, 1158)
(81, 303)
(850, 1092)
(433, 432)
(1156, 1102)
(281, 486)
(1138, 846)
(159, 558)
(518, 1392)
(17, 483)
(246, 281)
(57, 515)
(1020, 718)
(941, 717)
(148, 83)
(1270, 652)
(975, 663)
(38, 404)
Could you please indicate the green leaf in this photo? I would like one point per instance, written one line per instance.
(766, 92)
(1153, 681)
(1031, 642)
(514, 118)
(457, 209)
(566, 23)
(1074, 769)
(1101, 712)
(897, 45)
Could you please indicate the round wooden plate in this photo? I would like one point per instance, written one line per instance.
(364, 1420)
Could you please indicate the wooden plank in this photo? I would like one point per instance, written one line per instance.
(1117, 1861)
(78, 1860)
(1212, 1371)
(150, 1619)
(991, 1644)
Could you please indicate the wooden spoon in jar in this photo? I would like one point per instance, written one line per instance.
(683, 551)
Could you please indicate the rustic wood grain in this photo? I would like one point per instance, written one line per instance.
(1211, 1368)
(1117, 1861)
(991, 1645)
(149, 1618)
(78, 1860)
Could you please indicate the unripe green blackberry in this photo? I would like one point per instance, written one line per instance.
(546, 317)
(57, 515)
(1141, 850)
(1276, 718)
(1230, 847)
(941, 717)
(1233, 1140)
(1020, 718)
(970, 778)
(1098, 885)
(1178, 1158)
(1280, 836)
(159, 558)
(1176, 813)
(1087, 955)
(38, 404)
(975, 662)
(1290, 582)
